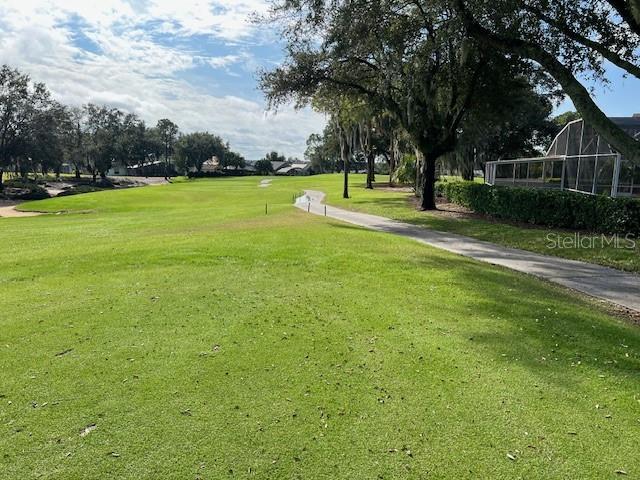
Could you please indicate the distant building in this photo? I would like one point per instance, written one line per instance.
(278, 165)
(156, 168)
(209, 166)
(302, 168)
(118, 168)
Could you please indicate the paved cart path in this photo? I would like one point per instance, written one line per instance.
(601, 282)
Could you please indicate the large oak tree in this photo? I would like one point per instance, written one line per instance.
(411, 59)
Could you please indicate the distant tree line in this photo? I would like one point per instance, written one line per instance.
(39, 135)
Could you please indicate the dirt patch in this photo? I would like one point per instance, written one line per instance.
(625, 313)
(452, 210)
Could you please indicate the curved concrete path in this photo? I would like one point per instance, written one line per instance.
(607, 284)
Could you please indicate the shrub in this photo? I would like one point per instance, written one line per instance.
(405, 172)
(19, 189)
(552, 208)
(381, 168)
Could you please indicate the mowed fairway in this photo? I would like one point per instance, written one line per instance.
(179, 332)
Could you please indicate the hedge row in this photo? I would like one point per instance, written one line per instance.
(553, 208)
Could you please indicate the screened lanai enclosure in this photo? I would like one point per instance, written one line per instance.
(578, 160)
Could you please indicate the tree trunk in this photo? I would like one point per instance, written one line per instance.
(392, 161)
(419, 176)
(1, 175)
(24, 170)
(468, 164)
(345, 189)
(370, 172)
(345, 152)
(428, 200)
(77, 173)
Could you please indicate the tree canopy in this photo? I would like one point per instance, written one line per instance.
(194, 149)
(570, 40)
(410, 59)
(264, 166)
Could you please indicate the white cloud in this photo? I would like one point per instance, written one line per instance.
(132, 70)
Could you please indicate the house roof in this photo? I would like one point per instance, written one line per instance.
(155, 162)
(294, 166)
(626, 121)
(278, 165)
(212, 161)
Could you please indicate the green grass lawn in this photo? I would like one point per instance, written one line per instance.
(398, 205)
(179, 332)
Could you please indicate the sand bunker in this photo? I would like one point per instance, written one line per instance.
(12, 212)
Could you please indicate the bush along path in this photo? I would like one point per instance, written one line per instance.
(552, 208)
(613, 286)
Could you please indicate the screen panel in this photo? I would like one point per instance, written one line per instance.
(575, 137)
(586, 173)
(571, 173)
(604, 174)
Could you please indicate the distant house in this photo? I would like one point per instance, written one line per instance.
(67, 168)
(278, 165)
(118, 168)
(249, 167)
(302, 168)
(209, 166)
(157, 168)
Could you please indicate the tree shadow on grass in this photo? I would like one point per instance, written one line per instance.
(550, 330)
(546, 327)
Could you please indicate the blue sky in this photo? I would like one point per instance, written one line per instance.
(619, 98)
(193, 61)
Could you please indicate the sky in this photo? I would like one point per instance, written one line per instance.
(619, 98)
(193, 61)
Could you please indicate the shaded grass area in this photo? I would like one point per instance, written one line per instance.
(399, 205)
(192, 336)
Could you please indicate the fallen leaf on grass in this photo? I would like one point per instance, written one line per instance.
(88, 429)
